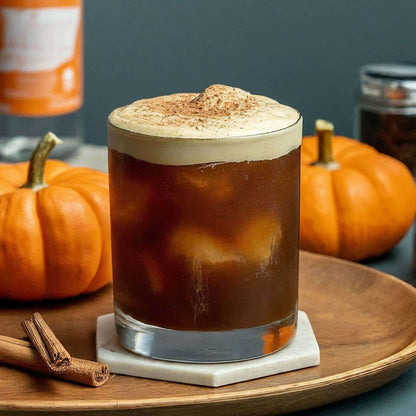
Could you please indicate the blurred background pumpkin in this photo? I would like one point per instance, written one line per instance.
(356, 203)
(54, 228)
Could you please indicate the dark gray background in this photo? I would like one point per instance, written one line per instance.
(304, 53)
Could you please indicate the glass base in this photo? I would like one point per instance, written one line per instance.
(20, 148)
(203, 346)
(19, 135)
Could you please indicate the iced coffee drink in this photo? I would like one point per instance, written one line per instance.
(204, 193)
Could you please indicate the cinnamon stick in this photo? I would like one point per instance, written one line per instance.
(22, 354)
(50, 349)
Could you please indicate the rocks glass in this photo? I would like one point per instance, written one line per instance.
(204, 194)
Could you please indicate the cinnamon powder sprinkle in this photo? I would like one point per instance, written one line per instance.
(216, 101)
(219, 111)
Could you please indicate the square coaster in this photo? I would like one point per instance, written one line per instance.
(302, 352)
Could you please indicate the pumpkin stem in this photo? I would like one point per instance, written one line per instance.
(324, 131)
(36, 174)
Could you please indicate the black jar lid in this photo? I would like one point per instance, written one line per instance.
(389, 84)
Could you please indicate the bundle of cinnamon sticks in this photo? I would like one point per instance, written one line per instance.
(45, 354)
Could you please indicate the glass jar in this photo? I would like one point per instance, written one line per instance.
(386, 110)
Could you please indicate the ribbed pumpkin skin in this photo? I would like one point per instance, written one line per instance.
(358, 211)
(54, 243)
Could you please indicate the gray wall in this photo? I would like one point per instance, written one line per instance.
(304, 53)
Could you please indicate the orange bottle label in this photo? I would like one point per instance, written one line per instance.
(40, 57)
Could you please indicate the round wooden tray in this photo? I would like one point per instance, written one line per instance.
(364, 321)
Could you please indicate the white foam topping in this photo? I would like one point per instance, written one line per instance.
(222, 124)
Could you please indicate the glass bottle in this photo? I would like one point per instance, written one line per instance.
(41, 75)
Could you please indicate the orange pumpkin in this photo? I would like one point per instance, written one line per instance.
(356, 205)
(54, 235)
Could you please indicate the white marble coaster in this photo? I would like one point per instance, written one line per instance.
(302, 352)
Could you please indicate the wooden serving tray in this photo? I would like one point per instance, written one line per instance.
(364, 321)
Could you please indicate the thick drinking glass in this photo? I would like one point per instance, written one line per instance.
(205, 255)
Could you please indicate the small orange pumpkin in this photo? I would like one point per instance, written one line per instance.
(54, 235)
(356, 205)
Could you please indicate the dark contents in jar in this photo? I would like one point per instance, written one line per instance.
(392, 134)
